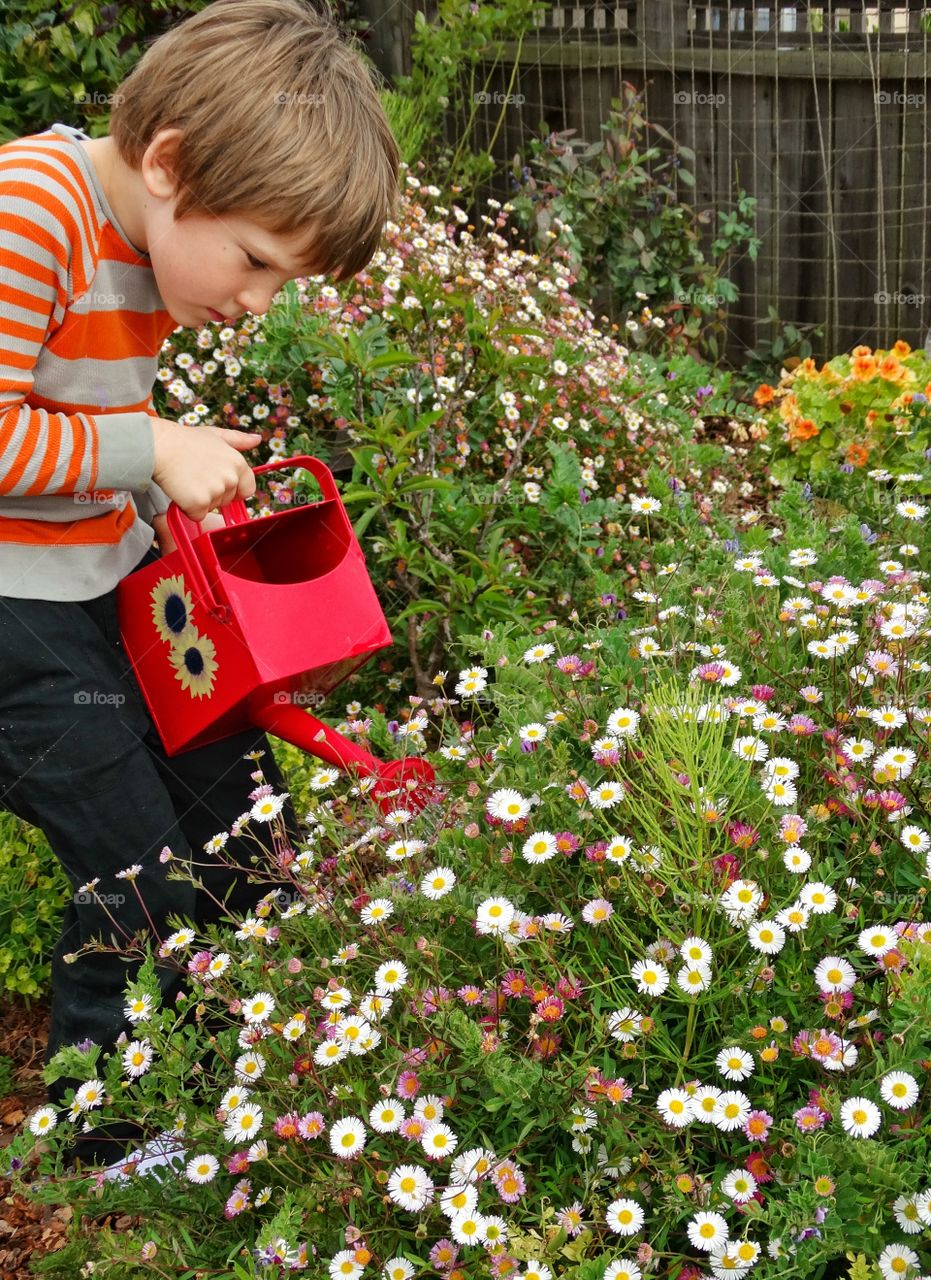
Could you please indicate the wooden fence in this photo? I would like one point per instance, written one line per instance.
(819, 110)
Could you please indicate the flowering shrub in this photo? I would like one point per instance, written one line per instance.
(491, 425)
(865, 407)
(645, 993)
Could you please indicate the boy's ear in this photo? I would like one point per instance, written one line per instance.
(159, 163)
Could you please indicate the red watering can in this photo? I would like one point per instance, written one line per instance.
(250, 624)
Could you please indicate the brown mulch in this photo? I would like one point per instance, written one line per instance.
(26, 1230)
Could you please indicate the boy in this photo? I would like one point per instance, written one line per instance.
(248, 146)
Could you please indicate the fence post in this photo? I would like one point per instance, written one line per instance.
(390, 26)
(663, 24)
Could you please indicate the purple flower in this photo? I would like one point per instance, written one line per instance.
(867, 534)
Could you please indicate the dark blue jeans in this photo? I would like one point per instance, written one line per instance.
(81, 760)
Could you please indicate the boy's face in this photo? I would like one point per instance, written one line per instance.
(206, 267)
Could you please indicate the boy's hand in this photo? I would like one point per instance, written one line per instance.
(167, 544)
(201, 467)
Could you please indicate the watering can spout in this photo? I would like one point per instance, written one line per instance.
(278, 715)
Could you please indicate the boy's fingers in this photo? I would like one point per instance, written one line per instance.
(240, 439)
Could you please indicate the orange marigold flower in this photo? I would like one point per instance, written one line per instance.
(862, 351)
(863, 368)
(892, 369)
(763, 395)
(857, 455)
(807, 366)
(803, 429)
(902, 349)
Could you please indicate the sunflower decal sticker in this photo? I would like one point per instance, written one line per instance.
(192, 655)
(172, 608)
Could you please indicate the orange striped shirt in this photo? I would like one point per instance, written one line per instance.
(81, 327)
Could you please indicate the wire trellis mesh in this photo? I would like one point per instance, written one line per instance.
(818, 110)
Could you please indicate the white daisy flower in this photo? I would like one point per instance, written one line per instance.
(90, 1094)
(331, 1052)
(429, 1108)
(899, 1089)
(343, 1266)
(915, 838)
(202, 1168)
(706, 1102)
(459, 1197)
(695, 950)
(606, 795)
(796, 860)
(180, 938)
(675, 1106)
(750, 748)
(707, 1232)
(494, 915)
(819, 898)
(623, 722)
(437, 883)
(693, 978)
(402, 849)
(532, 732)
(467, 1228)
(258, 1008)
(243, 1123)
(347, 1137)
(905, 1212)
(766, 937)
(43, 1120)
(410, 1187)
(438, 1140)
(267, 808)
(137, 1058)
(398, 1269)
(624, 1216)
(508, 805)
(624, 1024)
(471, 1165)
(860, 1117)
(539, 653)
(138, 1009)
(733, 1109)
(390, 976)
(897, 1260)
(249, 1066)
(835, 974)
(539, 847)
(739, 1186)
(735, 1063)
(619, 849)
(377, 910)
(622, 1269)
(876, 940)
(650, 977)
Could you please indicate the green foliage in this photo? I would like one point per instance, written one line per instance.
(616, 205)
(64, 63)
(454, 63)
(33, 892)
(790, 344)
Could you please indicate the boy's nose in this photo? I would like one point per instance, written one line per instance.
(256, 300)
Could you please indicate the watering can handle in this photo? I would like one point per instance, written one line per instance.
(235, 512)
(184, 529)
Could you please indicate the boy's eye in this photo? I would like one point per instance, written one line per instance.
(254, 262)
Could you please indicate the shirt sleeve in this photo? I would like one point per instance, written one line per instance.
(44, 452)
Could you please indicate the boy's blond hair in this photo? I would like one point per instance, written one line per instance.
(282, 124)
